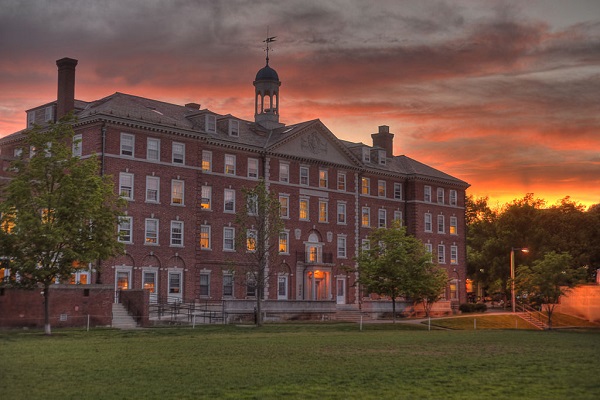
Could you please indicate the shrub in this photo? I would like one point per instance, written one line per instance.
(472, 307)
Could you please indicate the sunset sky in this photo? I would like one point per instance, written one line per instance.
(502, 94)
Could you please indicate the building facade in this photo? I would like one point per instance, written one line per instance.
(182, 170)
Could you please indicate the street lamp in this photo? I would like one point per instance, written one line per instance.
(512, 274)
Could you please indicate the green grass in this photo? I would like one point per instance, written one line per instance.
(300, 361)
(506, 321)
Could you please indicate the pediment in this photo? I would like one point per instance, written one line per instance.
(315, 142)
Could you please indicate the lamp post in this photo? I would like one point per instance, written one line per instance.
(512, 274)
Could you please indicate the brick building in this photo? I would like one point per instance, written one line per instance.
(182, 168)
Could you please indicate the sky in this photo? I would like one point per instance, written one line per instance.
(504, 95)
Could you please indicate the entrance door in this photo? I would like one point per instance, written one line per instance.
(282, 287)
(122, 282)
(341, 290)
(175, 286)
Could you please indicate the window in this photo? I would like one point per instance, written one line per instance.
(234, 128)
(303, 215)
(365, 244)
(429, 249)
(30, 118)
(453, 197)
(250, 285)
(204, 284)
(366, 154)
(381, 188)
(323, 178)
(152, 189)
(18, 152)
(441, 254)
(453, 226)
(206, 200)
(304, 176)
(341, 246)
(228, 284)
(229, 164)
(77, 145)
(253, 168)
(441, 224)
(366, 217)
(282, 287)
(428, 223)
(284, 172)
(211, 123)
(206, 161)
(127, 143)
(341, 181)
(153, 150)
(149, 283)
(341, 213)
(454, 289)
(252, 204)
(205, 237)
(175, 283)
(398, 216)
(381, 156)
(381, 218)
(251, 236)
(427, 194)
(284, 206)
(177, 192)
(453, 254)
(178, 153)
(228, 238)
(151, 235)
(440, 196)
(126, 185)
(125, 230)
(284, 239)
(229, 201)
(176, 233)
(323, 211)
(48, 114)
(365, 184)
(398, 191)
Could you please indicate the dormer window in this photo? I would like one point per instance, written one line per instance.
(381, 156)
(234, 128)
(30, 118)
(211, 123)
(366, 154)
(48, 117)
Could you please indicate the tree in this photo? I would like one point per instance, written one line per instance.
(428, 282)
(260, 227)
(548, 279)
(397, 264)
(58, 214)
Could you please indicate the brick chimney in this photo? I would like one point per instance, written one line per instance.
(385, 140)
(66, 86)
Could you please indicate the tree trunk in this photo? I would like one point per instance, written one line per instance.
(549, 310)
(393, 309)
(47, 329)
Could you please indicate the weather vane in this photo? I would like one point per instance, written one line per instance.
(269, 39)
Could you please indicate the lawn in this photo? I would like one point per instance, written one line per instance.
(300, 361)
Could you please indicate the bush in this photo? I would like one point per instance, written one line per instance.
(472, 307)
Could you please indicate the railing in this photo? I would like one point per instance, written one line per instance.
(536, 317)
(177, 311)
(322, 258)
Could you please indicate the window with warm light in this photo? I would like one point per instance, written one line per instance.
(323, 214)
(229, 164)
(366, 217)
(206, 161)
(251, 236)
(365, 185)
(323, 178)
(284, 206)
(177, 192)
(205, 237)
(303, 215)
(206, 200)
(284, 238)
(453, 226)
(149, 279)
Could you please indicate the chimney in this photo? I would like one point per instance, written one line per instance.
(385, 140)
(66, 86)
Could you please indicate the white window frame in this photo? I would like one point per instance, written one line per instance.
(382, 218)
(253, 170)
(304, 175)
(440, 195)
(428, 222)
(211, 123)
(365, 186)
(323, 211)
(398, 216)
(229, 201)
(284, 206)
(229, 164)
(205, 229)
(76, 145)
(150, 156)
(382, 157)
(323, 178)
(206, 194)
(341, 213)
(123, 177)
(205, 274)
(453, 197)
(228, 282)
(284, 242)
(453, 225)
(303, 200)
(127, 145)
(234, 128)
(149, 189)
(177, 233)
(125, 226)
(206, 161)
(175, 200)
(366, 154)
(48, 114)
(284, 172)
(397, 191)
(381, 188)
(427, 194)
(454, 255)
(342, 249)
(365, 212)
(251, 240)
(341, 181)
(441, 249)
(441, 224)
(228, 238)
(150, 232)
(178, 156)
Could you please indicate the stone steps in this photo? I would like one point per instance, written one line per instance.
(121, 318)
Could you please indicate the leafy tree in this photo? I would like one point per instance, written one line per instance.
(548, 279)
(58, 213)
(428, 282)
(260, 227)
(397, 264)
